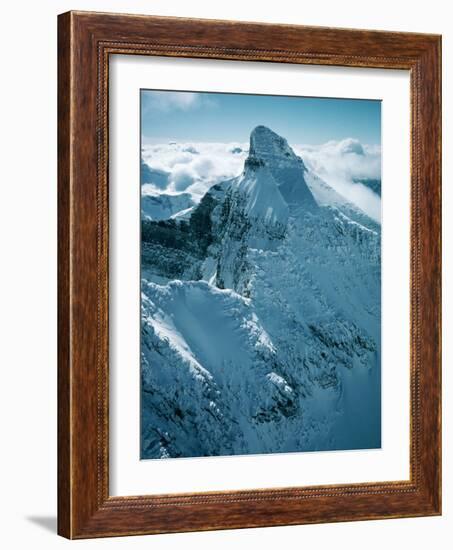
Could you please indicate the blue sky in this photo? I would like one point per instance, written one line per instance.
(214, 117)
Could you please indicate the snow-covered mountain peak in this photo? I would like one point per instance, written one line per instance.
(267, 145)
(286, 167)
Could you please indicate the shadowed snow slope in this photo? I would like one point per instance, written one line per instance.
(261, 317)
(263, 200)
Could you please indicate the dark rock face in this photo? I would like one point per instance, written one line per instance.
(176, 248)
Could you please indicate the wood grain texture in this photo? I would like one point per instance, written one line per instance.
(64, 366)
(85, 42)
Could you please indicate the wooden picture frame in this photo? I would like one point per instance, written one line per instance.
(85, 42)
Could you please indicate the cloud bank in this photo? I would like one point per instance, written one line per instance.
(342, 164)
(195, 167)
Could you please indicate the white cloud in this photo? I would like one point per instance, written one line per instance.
(195, 167)
(204, 167)
(348, 158)
(182, 177)
(341, 164)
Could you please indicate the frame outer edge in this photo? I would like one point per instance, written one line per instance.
(428, 271)
(434, 174)
(64, 527)
(435, 171)
(438, 298)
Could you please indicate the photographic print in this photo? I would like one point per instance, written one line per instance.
(260, 274)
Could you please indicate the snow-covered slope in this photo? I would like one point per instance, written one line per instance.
(285, 166)
(261, 317)
(162, 206)
(260, 194)
(325, 195)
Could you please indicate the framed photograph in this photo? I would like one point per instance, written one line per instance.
(249, 275)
